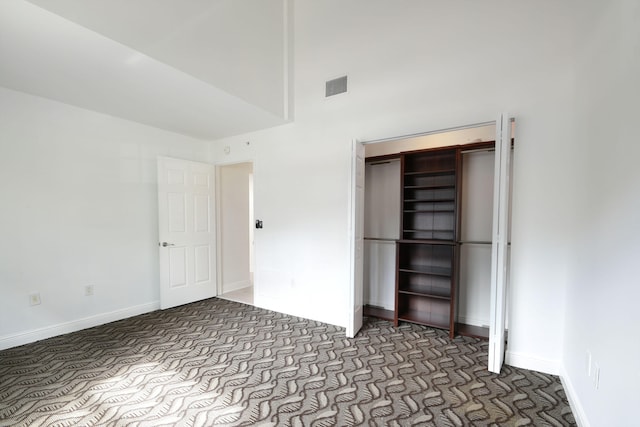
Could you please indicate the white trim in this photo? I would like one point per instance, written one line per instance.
(532, 363)
(234, 286)
(218, 209)
(474, 321)
(576, 407)
(34, 335)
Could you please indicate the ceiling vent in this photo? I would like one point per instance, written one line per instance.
(336, 86)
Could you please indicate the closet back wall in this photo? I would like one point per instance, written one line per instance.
(476, 213)
(381, 230)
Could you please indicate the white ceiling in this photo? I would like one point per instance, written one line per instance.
(204, 68)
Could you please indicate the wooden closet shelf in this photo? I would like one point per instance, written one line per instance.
(429, 271)
(428, 242)
(423, 230)
(449, 200)
(429, 211)
(426, 295)
(378, 312)
(425, 318)
(430, 187)
(430, 172)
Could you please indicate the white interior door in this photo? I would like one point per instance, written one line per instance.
(356, 240)
(186, 213)
(499, 246)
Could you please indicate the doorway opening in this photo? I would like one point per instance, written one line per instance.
(236, 233)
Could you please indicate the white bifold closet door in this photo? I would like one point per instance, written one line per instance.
(356, 241)
(500, 241)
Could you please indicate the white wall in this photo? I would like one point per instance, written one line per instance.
(424, 66)
(234, 226)
(300, 194)
(79, 207)
(602, 314)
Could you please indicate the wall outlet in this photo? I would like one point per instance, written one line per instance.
(88, 290)
(34, 298)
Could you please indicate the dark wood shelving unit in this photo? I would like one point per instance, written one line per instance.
(426, 254)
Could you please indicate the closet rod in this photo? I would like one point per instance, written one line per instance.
(379, 239)
(478, 150)
(384, 162)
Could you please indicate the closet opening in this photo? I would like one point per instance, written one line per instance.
(428, 221)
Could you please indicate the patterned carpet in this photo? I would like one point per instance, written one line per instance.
(219, 362)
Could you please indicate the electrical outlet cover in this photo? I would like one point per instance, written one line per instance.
(34, 298)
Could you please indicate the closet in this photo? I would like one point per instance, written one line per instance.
(428, 220)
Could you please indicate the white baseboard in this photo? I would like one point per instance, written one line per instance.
(234, 286)
(574, 402)
(526, 361)
(34, 335)
(473, 321)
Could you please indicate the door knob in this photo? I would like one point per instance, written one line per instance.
(165, 244)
